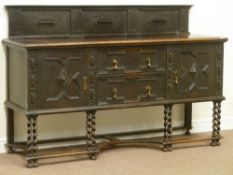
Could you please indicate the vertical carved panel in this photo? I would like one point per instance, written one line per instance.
(32, 82)
(92, 80)
(219, 69)
(170, 76)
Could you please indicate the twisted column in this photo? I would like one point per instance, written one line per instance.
(90, 127)
(216, 123)
(167, 127)
(31, 140)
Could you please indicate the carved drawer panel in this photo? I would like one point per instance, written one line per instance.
(130, 89)
(50, 21)
(106, 21)
(190, 71)
(159, 20)
(119, 60)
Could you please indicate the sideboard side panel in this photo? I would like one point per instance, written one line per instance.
(184, 20)
(17, 77)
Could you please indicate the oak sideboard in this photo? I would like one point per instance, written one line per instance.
(64, 59)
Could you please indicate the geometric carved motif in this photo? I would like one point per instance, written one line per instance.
(194, 71)
(65, 79)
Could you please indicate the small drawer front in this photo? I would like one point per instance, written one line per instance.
(130, 89)
(43, 22)
(117, 60)
(158, 21)
(104, 22)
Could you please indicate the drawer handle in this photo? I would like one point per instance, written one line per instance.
(176, 79)
(114, 64)
(157, 22)
(114, 93)
(148, 63)
(45, 24)
(85, 86)
(104, 21)
(148, 91)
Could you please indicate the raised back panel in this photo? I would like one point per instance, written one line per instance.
(96, 21)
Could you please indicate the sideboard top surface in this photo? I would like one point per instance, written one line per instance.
(108, 41)
(95, 6)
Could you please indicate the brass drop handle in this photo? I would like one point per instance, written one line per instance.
(148, 91)
(85, 83)
(176, 80)
(148, 62)
(114, 64)
(114, 93)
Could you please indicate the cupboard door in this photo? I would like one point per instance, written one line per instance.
(63, 77)
(190, 71)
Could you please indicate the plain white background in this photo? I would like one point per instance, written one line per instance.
(207, 17)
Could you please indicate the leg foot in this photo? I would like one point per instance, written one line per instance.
(167, 128)
(187, 132)
(216, 123)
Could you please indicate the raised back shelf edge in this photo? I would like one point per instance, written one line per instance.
(88, 58)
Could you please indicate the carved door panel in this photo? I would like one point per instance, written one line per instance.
(64, 77)
(190, 71)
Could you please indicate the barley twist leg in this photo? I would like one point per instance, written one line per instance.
(90, 127)
(216, 123)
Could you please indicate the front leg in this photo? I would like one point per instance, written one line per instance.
(216, 123)
(31, 140)
(90, 127)
(167, 127)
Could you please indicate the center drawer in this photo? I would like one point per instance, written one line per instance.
(124, 60)
(115, 90)
(104, 21)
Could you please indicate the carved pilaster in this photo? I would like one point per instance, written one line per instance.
(32, 82)
(170, 65)
(92, 81)
(219, 68)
